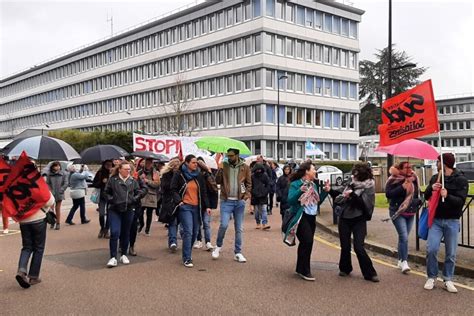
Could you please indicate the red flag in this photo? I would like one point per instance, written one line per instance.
(432, 206)
(26, 191)
(410, 114)
(180, 152)
(4, 172)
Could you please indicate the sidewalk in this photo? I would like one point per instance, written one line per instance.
(382, 237)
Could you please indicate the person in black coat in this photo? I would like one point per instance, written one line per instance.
(99, 182)
(282, 187)
(261, 187)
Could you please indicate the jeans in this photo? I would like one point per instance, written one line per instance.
(103, 217)
(134, 229)
(33, 236)
(403, 225)
(173, 232)
(305, 235)
(77, 203)
(206, 223)
(149, 218)
(120, 224)
(189, 218)
(260, 211)
(358, 227)
(449, 229)
(228, 208)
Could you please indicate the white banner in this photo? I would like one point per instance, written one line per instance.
(167, 145)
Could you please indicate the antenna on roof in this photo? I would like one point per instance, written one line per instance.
(111, 20)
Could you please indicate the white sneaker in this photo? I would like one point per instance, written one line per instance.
(429, 285)
(197, 244)
(173, 247)
(449, 286)
(399, 264)
(112, 263)
(209, 246)
(124, 259)
(215, 253)
(240, 258)
(405, 268)
(5, 231)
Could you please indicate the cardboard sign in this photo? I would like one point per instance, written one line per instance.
(409, 115)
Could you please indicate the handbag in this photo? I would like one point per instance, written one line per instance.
(95, 196)
(50, 217)
(423, 224)
(77, 193)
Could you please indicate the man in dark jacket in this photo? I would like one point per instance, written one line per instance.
(260, 189)
(446, 221)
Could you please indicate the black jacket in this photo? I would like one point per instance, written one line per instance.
(179, 185)
(123, 196)
(212, 189)
(168, 208)
(458, 187)
(282, 187)
(99, 183)
(396, 194)
(261, 185)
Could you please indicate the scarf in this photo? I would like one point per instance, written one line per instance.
(358, 186)
(310, 197)
(188, 174)
(398, 177)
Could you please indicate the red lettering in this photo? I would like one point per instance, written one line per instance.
(139, 145)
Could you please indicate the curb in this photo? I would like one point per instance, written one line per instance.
(460, 269)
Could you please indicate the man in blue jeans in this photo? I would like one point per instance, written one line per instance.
(446, 221)
(236, 185)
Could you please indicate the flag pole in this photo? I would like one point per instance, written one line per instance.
(442, 162)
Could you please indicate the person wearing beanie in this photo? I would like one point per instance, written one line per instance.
(446, 221)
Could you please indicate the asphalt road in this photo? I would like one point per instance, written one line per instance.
(76, 281)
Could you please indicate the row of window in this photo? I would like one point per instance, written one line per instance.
(455, 126)
(198, 27)
(453, 109)
(451, 142)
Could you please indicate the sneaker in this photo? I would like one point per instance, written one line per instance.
(124, 259)
(215, 253)
(308, 277)
(188, 264)
(86, 221)
(6, 231)
(209, 246)
(197, 244)
(449, 286)
(429, 285)
(112, 263)
(58, 227)
(258, 226)
(405, 268)
(240, 258)
(70, 223)
(343, 274)
(52, 226)
(399, 264)
(173, 248)
(22, 280)
(34, 281)
(265, 227)
(132, 252)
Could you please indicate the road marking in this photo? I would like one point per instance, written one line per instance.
(388, 264)
(11, 232)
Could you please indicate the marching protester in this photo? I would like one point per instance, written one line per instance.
(357, 206)
(268, 171)
(77, 190)
(282, 188)
(150, 176)
(123, 193)
(402, 190)
(99, 182)
(212, 196)
(273, 180)
(57, 181)
(188, 188)
(136, 215)
(236, 186)
(304, 197)
(445, 225)
(261, 186)
(168, 211)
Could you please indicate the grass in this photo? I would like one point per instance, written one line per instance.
(381, 200)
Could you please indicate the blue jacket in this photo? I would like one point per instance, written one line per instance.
(77, 181)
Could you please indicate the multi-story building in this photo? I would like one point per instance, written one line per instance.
(229, 57)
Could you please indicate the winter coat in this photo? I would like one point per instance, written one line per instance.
(123, 196)
(212, 189)
(458, 187)
(245, 180)
(168, 207)
(282, 188)
(261, 185)
(179, 185)
(99, 183)
(57, 183)
(77, 180)
(153, 177)
(396, 194)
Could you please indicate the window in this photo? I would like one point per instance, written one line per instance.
(220, 53)
(344, 89)
(290, 81)
(335, 151)
(238, 82)
(248, 45)
(230, 117)
(319, 85)
(299, 82)
(309, 117)
(327, 22)
(327, 119)
(270, 8)
(337, 25)
(289, 149)
(269, 145)
(205, 57)
(204, 25)
(258, 78)
(327, 87)
(238, 116)
(270, 113)
(299, 49)
(257, 113)
(289, 115)
(220, 85)
(229, 50)
(257, 10)
(290, 12)
(353, 29)
(212, 87)
(279, 9)
(238, 14)
(268, 43)
(353, 90)
(248, 115)
(353, 60)
(220, 19)
(336, 119)
(310, 84)
(197, 59)
(247, 10)
(317, 117)
(327, 54)
(336, 56)
(229, 84)
(238, 48)
(258, 43)
(269, 78)
(300, 15)
(344, 58)
(299, 116)
(229, 17)
(220, 118)
(212, 56)
(308, 51)
(318, 21)
(345, 27)
(279, 45)
(213, 118)
(351, 121)
(289, 47)
(318, 53)
(212, 23)
(248, 80)
(336, 88)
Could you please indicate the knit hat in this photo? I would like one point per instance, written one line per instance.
(448, 160)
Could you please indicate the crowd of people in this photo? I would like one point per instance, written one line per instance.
(183, 194)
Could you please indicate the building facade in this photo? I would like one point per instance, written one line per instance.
(220, 63)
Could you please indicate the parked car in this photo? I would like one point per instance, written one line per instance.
(333, 174)
(467, 167)
(64, 167)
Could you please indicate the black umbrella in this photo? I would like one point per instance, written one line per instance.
(41, 148)
(150, 155)
(101, 153)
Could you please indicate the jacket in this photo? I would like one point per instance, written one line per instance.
(261, 185)
(245, 180)
(168, 208)
(295, 192)
(151, 198)
(396, 194)
(212, 189)
(282, 188)
(359, 205)
(123, 196)
(77, 180)
(179, 185)
(57, 183)
(458, 187)
(99, 183)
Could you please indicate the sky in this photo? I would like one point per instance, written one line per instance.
(437, 34)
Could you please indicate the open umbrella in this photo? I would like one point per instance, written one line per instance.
(222, 144)
(150, 155)
(101, 153)
(41, 148)
(209, 161)
(411, 148)
(250, 159)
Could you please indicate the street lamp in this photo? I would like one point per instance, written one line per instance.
(42, 128)
(282, 77)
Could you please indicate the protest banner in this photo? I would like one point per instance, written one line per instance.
(167, 145)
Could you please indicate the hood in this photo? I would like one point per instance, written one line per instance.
(258, 167)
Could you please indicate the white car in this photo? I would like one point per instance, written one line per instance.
(333, 174)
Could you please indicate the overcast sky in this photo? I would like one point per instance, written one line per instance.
(438, 34)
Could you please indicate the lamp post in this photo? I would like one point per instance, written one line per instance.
(42, 129)
(282, 77)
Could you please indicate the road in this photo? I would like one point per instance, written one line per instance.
(76, 281)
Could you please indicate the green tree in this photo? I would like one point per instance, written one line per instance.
(374, 85)
(82, 140)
